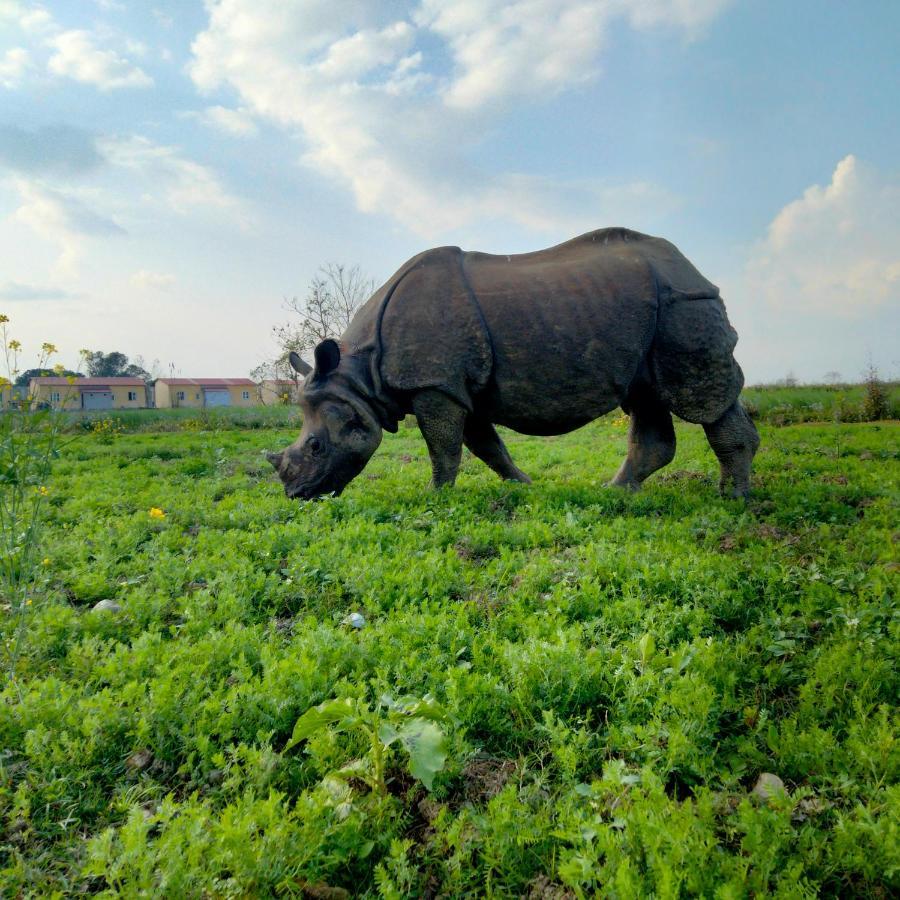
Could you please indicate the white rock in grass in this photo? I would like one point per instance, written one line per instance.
(107, 606)
(355, 620)
(768, 786)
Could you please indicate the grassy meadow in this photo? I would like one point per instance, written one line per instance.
(609, 674)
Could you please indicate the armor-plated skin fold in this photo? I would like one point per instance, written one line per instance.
(539, 342)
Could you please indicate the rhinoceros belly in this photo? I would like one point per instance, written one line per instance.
(568, 333)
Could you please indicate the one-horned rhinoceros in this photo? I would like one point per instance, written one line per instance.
(539, 342)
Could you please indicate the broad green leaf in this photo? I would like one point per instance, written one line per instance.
(343, 711)
(647, 646)
(424, 708)
(356, 768)
(387, 734)
(426, 745)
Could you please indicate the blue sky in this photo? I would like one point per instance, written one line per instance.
(170, 171)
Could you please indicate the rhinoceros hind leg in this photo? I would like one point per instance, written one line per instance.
(651, 441)
(441, 422)
(482, 439)
(734, 440)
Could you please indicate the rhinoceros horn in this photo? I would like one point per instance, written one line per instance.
(298, 365)
(275, 459)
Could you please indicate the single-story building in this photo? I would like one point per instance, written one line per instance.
(275, 391)
(61, 392)
(11, 395)
(199, 392)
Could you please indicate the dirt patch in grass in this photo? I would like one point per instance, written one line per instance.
(471, 551)
(484, 777)
(544, 888)
(682, 475)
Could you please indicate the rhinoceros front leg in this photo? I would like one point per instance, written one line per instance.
(734, 440)
(482, 439)
(441, 421)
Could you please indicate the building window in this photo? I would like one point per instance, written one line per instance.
(132, 395)
(180, 395)
(54, 397)
(245, 395)
(196, 396)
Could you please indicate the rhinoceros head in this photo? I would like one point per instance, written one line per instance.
(340, 431)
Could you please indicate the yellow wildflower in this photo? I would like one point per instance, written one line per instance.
(49, 349)
(15, 345)
(3, 319)
(28, 602)
(42, 491)
(156, 513)
(45, 561)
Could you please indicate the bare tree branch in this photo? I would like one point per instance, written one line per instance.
(332, 298)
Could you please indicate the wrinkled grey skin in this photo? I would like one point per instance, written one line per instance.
(539, 342)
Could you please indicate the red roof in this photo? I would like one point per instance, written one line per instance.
(208, 382)
(103, 383)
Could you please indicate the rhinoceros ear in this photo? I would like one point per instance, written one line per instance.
(298, 365)
(328, 355)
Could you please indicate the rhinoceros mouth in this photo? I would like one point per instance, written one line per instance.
(331, 483)
(315, 491)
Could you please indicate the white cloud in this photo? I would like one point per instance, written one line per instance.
(185, 184)
(61, 218)
(367, 50)
(154, 281)
(31, 19)
(76, 56)
(525, 48)
(13, 66)
(836, 249)
(501, 49)
(358, 81)
(134, 181)
(236, 122)
(37, 21)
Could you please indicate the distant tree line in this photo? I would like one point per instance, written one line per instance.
(98, 365)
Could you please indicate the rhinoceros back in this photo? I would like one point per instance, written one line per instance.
(544, 342)
(569, 325)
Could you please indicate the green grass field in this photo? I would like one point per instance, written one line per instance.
(615, 671)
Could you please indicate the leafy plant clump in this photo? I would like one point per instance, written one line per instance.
(408, 723)
(875, 402)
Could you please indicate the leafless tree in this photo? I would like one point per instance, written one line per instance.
(332, 298)
(789, 380)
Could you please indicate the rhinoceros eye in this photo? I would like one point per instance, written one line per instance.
(314, 445)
